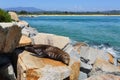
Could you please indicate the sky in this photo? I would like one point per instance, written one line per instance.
(64, 5)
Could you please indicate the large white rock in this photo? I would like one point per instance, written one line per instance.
(101, 66)
(34, 68)
(14, 16)
(75, 61)
(23, 24)
(78, 45)
(51, 39)
(29, 31)
(82, 76)
(46, 69)
(92, 54)
(9, 37)
(86, 66)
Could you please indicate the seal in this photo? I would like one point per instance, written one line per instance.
(49, 51)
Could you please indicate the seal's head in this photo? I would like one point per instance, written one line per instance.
(66, 59)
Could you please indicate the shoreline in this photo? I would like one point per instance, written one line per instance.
(35, 15)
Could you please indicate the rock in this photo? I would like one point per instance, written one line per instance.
(51, 39)
(75, 69)
(74, 54)
(6, 68)
(82, 76)
(4, 59)
(86, 68)
(111, 58)
(13, 16)
(1, 77)
(4, 24)
(7, 72)
(104, 77)
(78, 45)
(10, 36)
(101, 66)
(35, 68)
(75, 64)
(29, 31)
(71, 51)
(25, 41)
(91, 54)
(48, 68)
(23, 24)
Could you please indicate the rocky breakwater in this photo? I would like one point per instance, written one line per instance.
(86, 63)
(9, 38)
(36, 68)
(96, 64)
(33, 67)
(62, 43)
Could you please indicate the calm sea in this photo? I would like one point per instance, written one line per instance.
(100, 31)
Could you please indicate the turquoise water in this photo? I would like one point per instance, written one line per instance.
(95, 30)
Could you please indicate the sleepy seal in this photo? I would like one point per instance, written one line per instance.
(48, 51)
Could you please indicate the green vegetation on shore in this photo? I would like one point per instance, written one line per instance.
(4, 16)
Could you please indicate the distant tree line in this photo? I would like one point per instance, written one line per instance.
(113, 12)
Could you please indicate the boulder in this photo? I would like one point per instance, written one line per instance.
(75, 68)
(104, 77)
(101, 66)
(10, 36)
(13, 16)
(6, 69)
(51, 39)
(90, 54)
(7, 72)
(4, 24)
(78, 45)
(23, 24)
(82, 76)
(31, 67)
(86, 68)
(29, 31)
(24, 40)
(75, 65)
(43, 68)
(71, 51)
(111, 58)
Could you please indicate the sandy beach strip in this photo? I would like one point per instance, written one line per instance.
(64, 15)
